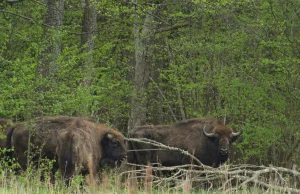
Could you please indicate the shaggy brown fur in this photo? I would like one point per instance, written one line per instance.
(187, 135)
(83, 144)
(37, 139)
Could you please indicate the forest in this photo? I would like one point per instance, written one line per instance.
(128, 63)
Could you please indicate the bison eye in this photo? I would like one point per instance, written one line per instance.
(216, 139)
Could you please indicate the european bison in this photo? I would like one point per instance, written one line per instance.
(83, 144)
(207, 139)
(36, 139)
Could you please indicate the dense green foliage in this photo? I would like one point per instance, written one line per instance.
(230, 59)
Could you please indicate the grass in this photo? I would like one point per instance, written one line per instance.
(29, 182)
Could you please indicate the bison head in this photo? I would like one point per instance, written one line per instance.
(113, 146)
(222, 136)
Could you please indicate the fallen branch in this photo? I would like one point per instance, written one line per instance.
(157, 144)
(226, 178)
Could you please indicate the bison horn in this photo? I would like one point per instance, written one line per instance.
(109, 136)
(238, 133)
(207, 134)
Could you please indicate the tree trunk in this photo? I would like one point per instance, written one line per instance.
(89, 25)
(52, 33)
(143, 39)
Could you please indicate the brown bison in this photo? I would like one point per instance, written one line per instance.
(208, 139)
(36, 139)
(83, 144)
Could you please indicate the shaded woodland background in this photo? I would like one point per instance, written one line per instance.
(128, 63)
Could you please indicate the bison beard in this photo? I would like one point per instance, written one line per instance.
(83, 144)
(208, 139)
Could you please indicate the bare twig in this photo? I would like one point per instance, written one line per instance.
(160, 92)
(148, 12)
(171, 28)
(157, 144)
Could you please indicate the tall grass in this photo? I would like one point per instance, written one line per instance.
(30, 182)
(38, 181)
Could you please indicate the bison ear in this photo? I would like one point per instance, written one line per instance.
(110, 136)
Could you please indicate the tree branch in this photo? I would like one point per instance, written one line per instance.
(160, 92)
(35, 21)
(158, 18)
(24, 17)
(174, 27)
(157, 144)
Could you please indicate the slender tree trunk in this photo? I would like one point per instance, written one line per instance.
(89, 25)
(143, 39)
(54, 18)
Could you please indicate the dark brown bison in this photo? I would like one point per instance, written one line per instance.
(209, 140)
(83, 144)
(36, 139)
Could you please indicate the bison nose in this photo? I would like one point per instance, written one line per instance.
(223, 151)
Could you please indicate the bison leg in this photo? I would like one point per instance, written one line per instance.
(92, 170)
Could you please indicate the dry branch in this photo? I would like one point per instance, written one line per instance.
(157, 144)
(227, 178)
